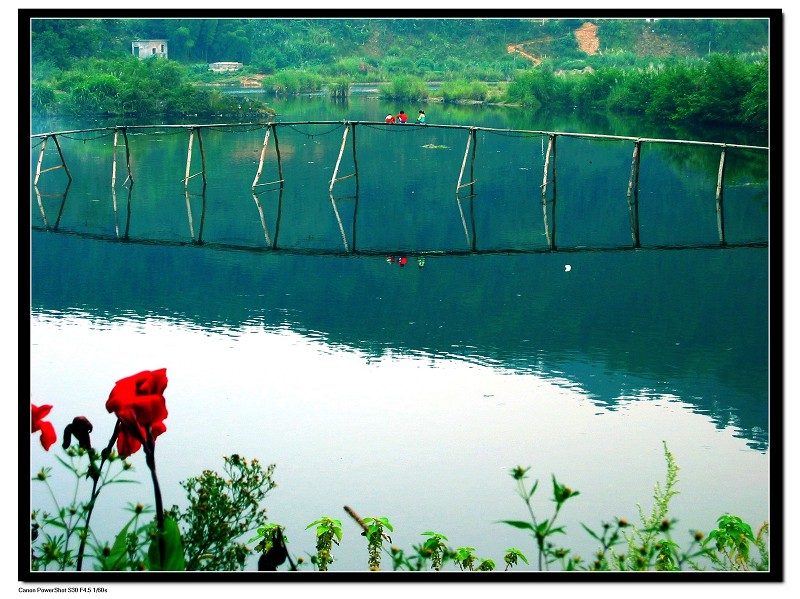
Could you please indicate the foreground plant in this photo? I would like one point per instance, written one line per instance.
(329, 531)
(139, 405)
(272, 546)
(732, 539)
(375, 533)
(60, 538)
(649, 546)
(221, 509)
(467, 560)
(542, 530)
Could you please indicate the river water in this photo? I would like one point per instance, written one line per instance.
(292, 332)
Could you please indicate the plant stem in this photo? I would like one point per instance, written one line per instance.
(95, 491)
(149, 452)
(85, 535)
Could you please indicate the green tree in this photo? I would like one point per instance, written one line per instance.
(42, 97)
(718, 93)
(671, 90)
(755, 104)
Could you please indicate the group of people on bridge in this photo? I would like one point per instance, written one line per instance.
(402, 118)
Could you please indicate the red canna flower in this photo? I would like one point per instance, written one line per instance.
(48, 436)
(138, 401)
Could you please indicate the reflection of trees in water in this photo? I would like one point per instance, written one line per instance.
(742, 166)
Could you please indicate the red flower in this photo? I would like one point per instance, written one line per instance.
(138, 401)
(48, 436)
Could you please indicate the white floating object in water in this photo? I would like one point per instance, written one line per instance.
(567, 268)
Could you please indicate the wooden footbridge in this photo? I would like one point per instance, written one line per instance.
(547, 187)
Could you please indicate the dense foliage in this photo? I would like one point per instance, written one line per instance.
(723, 89)
(670, 70)
(127, 85)
(370, 46)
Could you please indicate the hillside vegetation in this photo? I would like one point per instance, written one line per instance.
(85, 66)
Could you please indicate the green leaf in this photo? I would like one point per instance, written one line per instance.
(518, 524)
(118, 557)
(589, 530)
(533, 489)
(173, 550)
(66, 464)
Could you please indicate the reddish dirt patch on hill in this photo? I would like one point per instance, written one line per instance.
(587, 38)
(518, 49)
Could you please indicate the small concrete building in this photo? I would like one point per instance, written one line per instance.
(221, 67)
(142, 49)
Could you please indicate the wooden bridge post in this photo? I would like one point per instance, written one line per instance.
(270, 129)
(720, 214)
(553, 245)
(261, 160)
(551, 151)
(339, 159)
(114, 169)
(189, 158)
(39, 162)
(127, 156)
(277, 154)
(61, 155)
(355, 160)
(334, 179)
(63, 164)
(633, 193)
(203, 166)
(470, 138)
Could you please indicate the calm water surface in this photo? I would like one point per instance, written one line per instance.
(410, 392)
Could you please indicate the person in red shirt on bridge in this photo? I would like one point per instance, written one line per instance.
(389, 118)
(402, 117)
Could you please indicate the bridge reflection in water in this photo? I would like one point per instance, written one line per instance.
(464, 189)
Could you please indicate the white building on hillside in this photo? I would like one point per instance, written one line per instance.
(142, 49)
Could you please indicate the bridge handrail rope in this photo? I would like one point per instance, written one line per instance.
(383, 125)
